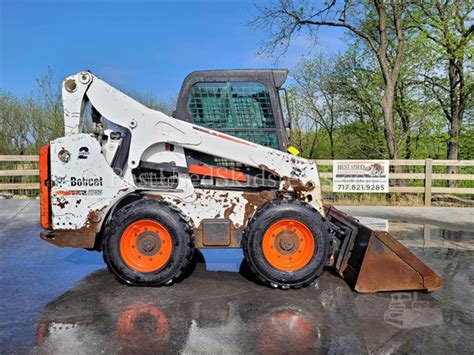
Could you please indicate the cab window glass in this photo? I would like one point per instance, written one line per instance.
(231, 105)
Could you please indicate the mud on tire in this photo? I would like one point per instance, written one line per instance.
(310, 222)
(170, 222)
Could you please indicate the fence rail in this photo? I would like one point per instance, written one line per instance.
(427, 177)
(19, 173)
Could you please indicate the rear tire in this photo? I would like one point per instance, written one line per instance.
(148, 243)
(286, 244)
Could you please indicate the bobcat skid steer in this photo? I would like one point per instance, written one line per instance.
(147, 189)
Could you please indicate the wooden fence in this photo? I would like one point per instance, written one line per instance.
(429, 176)
(19, 167)
(428, 172)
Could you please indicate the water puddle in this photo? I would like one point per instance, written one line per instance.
(422, 235)
(223, 312)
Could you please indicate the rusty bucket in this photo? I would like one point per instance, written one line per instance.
(373, 261)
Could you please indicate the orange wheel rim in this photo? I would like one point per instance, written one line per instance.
(288, 245)
(146, 245)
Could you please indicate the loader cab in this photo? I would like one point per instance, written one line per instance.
(242, 103)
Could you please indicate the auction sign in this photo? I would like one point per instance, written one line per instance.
(360, 176)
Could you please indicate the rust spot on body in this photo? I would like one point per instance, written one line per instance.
(61, 203)
(266, 168)
(155, 197)
(255, 200)
(229, 210)
(84, 237)
(296, 184)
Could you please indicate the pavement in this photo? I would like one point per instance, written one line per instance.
(64, 301)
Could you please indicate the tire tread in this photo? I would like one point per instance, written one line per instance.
(245, 244)
(123, 212)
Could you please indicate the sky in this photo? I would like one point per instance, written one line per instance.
(146, 46)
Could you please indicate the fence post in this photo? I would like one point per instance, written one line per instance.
(428, 172)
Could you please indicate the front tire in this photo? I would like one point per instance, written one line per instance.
(286, 244)
(148, 243)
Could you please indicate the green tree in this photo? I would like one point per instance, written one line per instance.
(359, 82)
(28, 123)
(303, 133)
(320, 100)
(14, 125)
(446, 28)
(380, 24)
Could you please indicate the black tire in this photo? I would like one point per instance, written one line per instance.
(177, 227)
(255, 231)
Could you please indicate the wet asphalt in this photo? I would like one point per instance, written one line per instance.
(64, 301)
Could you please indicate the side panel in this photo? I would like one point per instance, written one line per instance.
(83, 185)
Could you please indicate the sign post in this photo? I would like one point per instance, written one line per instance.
(360, 176)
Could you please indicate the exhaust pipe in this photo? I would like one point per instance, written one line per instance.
(372, 261)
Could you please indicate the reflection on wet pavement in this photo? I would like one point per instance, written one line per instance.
(56, 300)
(220, 312)
(423, 235)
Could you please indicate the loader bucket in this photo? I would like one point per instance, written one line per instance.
(373, 261)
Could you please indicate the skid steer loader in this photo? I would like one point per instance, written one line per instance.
(147, 189)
